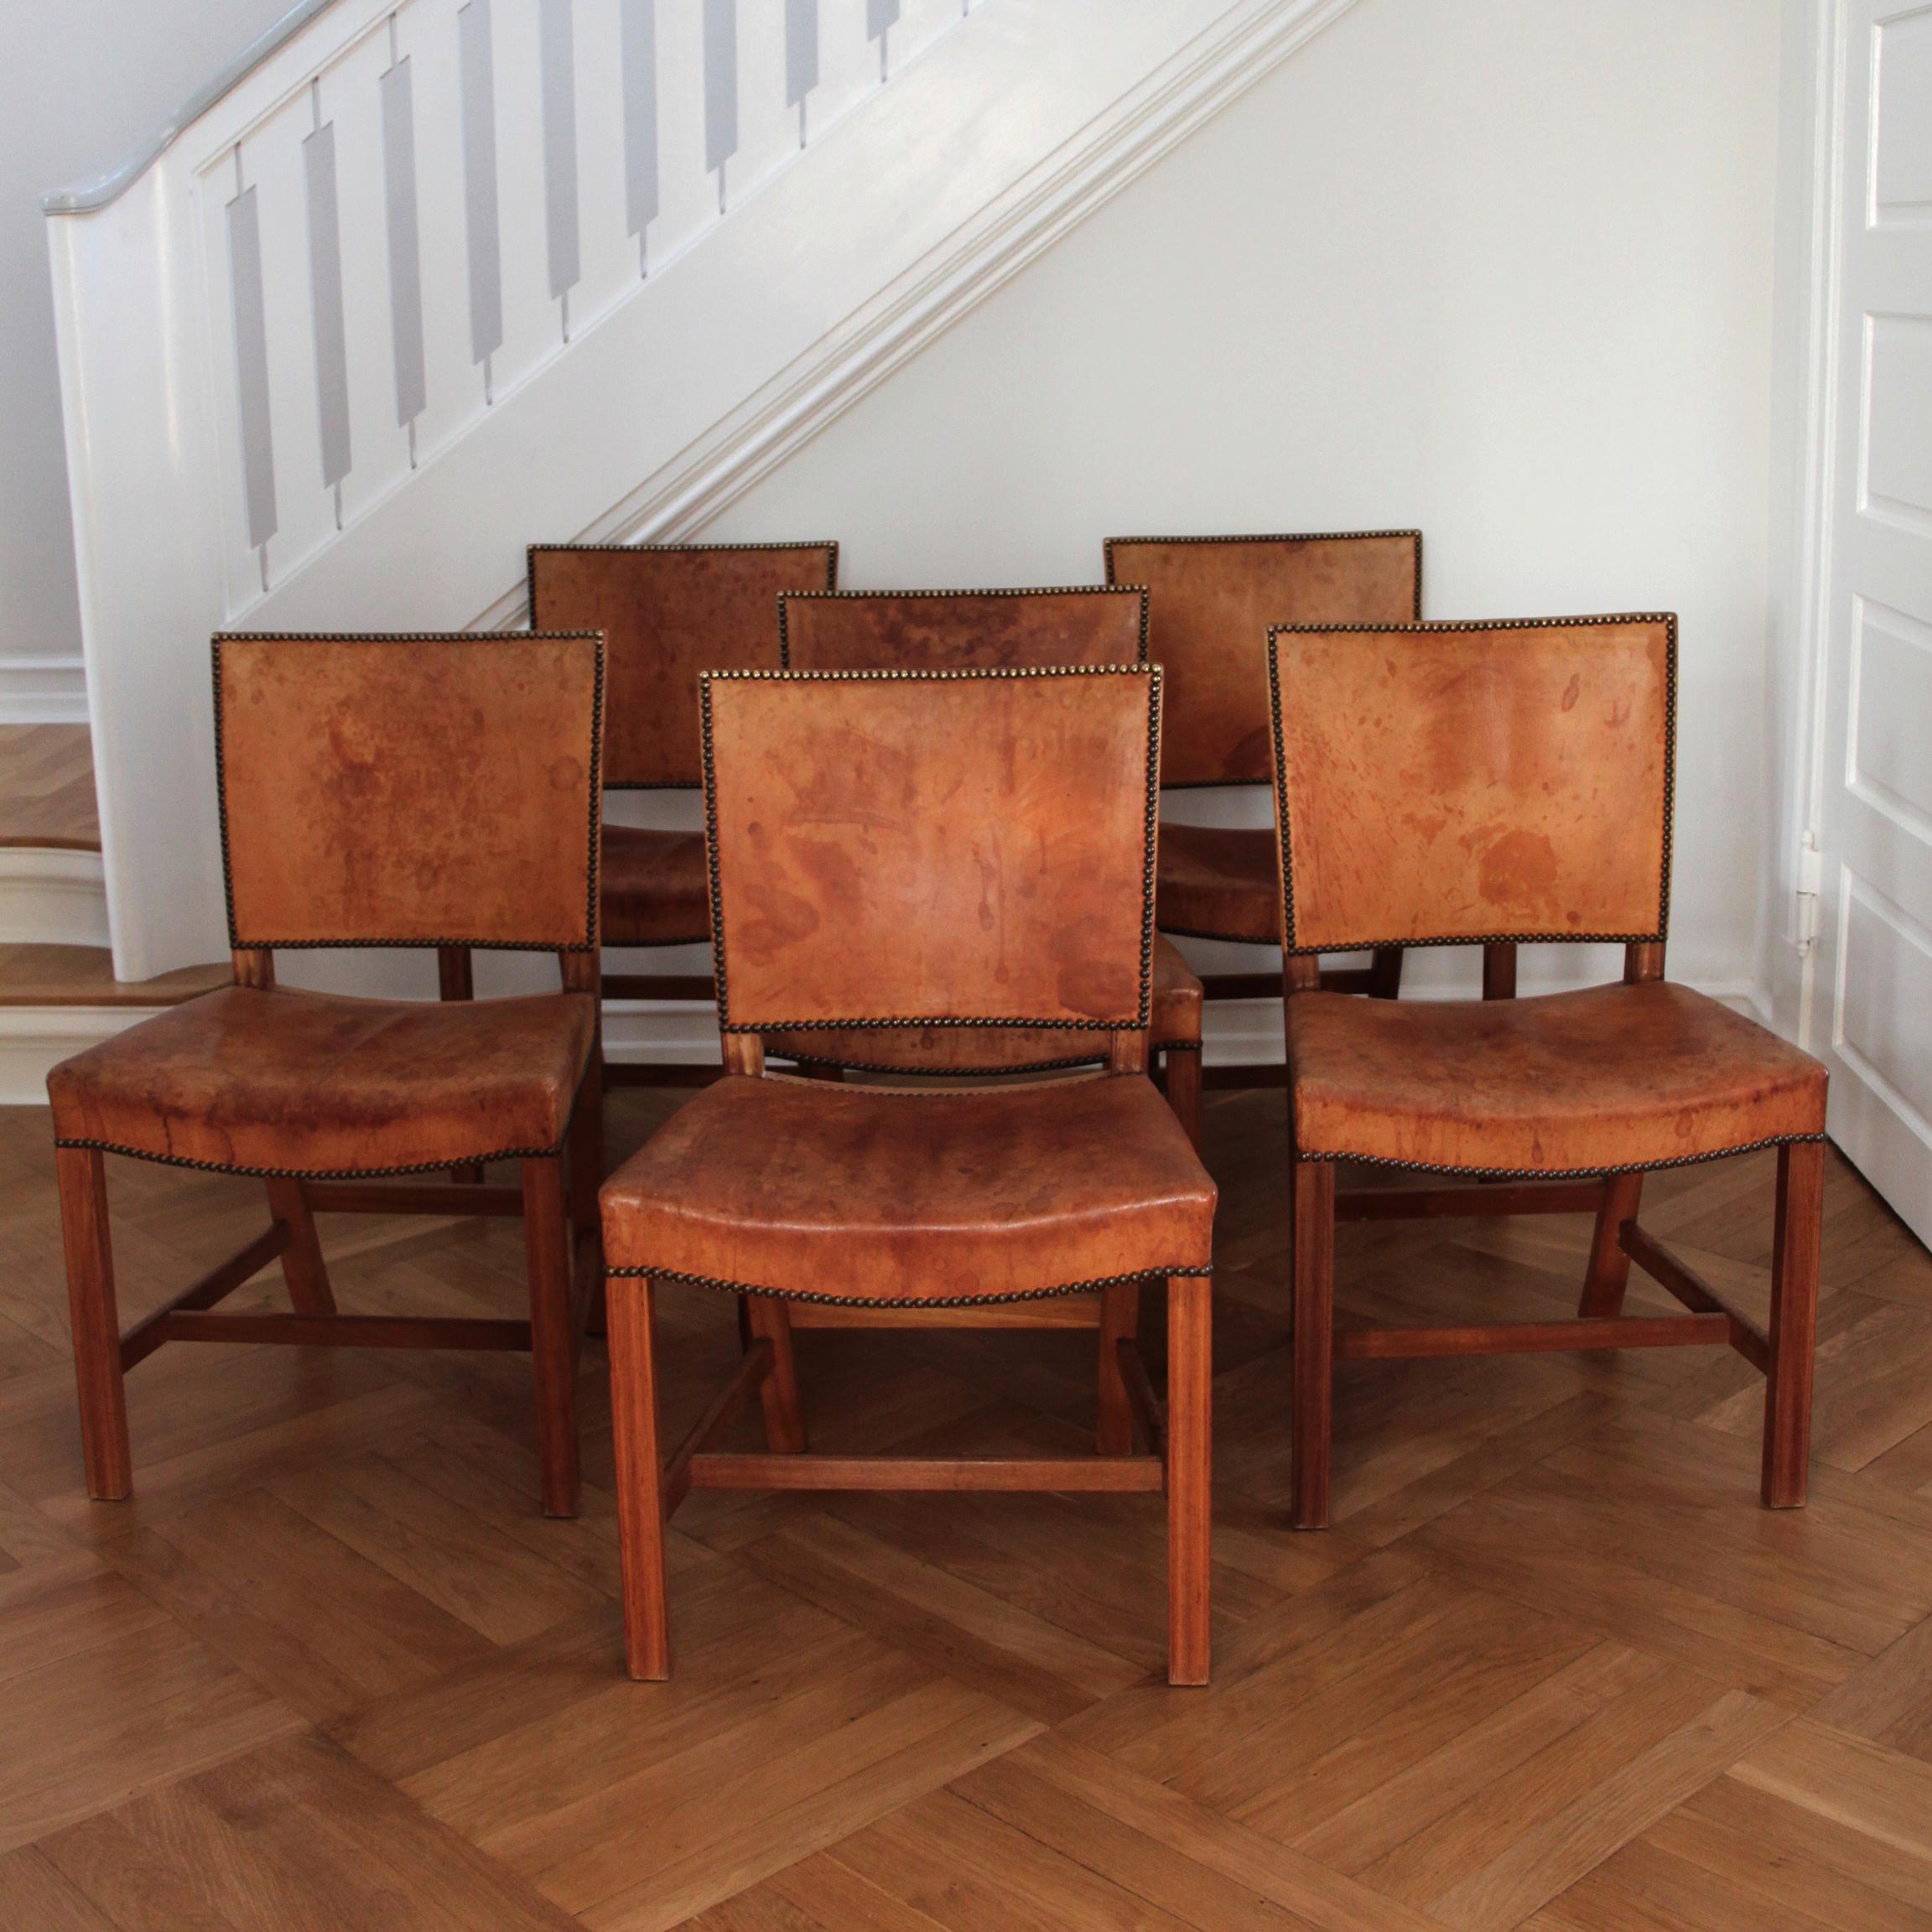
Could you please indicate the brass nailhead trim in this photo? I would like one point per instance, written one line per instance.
(511, 638)
(327, 1173)
(1284, 836)
(905, 1300)
(1151, 672)
(1107, 590)
(1561, 1173)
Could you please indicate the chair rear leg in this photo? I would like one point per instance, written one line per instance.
(1119, 1321)
(301, 1265)
(1190, 1488)
(640, 1478)
(771, 1321)
(1608, 1274)
(1385, 972)
(585, 1154)
(1181, 1065)
(1794, 1323)
(85, 1239)
(455, 980)
(553, 1337)
(1312, 1421)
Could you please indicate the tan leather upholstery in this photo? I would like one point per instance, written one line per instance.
(954, 630)
(1464, 782)
(655, 892)
(1212, 599)
(1640, 1076)
(411, 790)
(863, 1194)
(874, 864)
(666, 613)
(958, 630)
(1176, 1021)
(1220, 882)
(290, 1082)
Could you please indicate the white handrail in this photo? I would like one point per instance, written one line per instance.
(86, 196)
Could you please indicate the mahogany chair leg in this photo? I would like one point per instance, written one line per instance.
(1313, 1238)
(1181, 1067)
(1794, 1324)
(771, 1321)
(302, 1267)
(84, 1234)
(1119, 1321)
(640, 1479)
(1190, 1488)
(1608, 1274)
(552, 1339)
(584, 1153)
(1385, 972)
(455, 980)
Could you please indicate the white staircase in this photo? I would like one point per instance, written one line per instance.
(423, 281)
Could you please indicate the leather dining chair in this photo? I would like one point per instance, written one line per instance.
(1211, 600)
(953, 853)
(1534, 759)
(374, 792)
(667, 611)
(954, 630)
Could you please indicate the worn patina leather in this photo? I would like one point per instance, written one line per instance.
(952, 629)
(1176, 1020)
(1219, 881)
(1569, 1083)
(861, 1193)
(290, 1082)
(1211, 602)
(666, 613)
(408, 789)
(930, 846)
(918, 848)
(1463, 781)
(654, 887)
(958, 630)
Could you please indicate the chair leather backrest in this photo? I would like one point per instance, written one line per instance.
(1446, 783)
(960, 630)
(410, 791)
(1211, 600)
(895, 848)
(668, 611)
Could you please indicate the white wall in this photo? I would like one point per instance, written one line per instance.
(82, 84)
(1500, 268)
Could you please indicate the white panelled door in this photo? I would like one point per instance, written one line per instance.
(1875, 941)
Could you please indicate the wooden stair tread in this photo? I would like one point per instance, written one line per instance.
(47, 787)
(32, 976)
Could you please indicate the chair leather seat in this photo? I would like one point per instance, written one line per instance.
(285, 1082)
(652, 887)
(1615, 1076)
(872, 1194)
(1220, 882)
(1175, 1020)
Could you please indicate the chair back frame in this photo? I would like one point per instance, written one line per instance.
(286, 819)
(1534, 747)
(958, 630)
(1076, 1013)
(653, 726)
(1217, 728)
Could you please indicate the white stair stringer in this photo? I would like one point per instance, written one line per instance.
(676, 397)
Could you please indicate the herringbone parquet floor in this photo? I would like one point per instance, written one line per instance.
(1553, 1668)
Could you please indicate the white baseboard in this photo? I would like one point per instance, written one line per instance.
(43, 691)
(50, 897)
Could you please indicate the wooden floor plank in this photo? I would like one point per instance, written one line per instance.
(1554, 1667)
